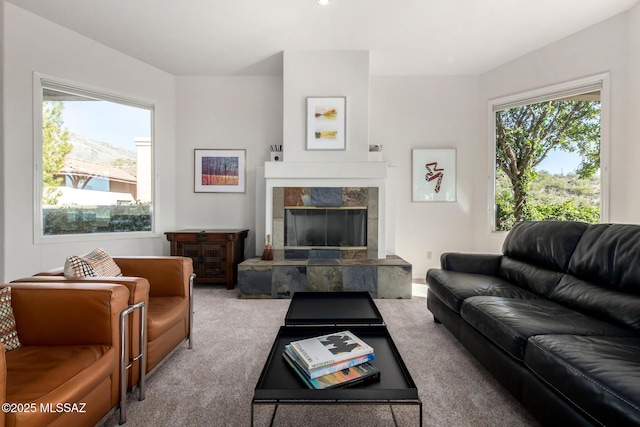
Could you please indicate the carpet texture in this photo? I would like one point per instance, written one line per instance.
(212, 384)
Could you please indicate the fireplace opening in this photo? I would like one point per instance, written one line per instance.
(325, 227)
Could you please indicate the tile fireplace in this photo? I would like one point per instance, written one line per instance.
(344, 206)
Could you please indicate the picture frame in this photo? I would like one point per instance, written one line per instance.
(220, 171)
(433, 175)
(326, 123)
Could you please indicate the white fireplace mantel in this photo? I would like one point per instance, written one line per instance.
(325, 170)
(328, 174)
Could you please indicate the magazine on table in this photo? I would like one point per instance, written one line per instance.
(327, 369)
(330, 348)
(349, 377)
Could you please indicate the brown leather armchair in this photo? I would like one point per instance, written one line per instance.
(67, 370)
(170, 307)
(165, 285)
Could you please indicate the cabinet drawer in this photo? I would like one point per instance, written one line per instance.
(196, 237)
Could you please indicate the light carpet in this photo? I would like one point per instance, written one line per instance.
(212, 384)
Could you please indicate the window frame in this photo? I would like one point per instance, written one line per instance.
(39, 82)
(582, 85)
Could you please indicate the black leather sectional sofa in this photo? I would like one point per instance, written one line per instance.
(555, 318)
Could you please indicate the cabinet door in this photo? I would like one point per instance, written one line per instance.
(215, 259)
(191, 250)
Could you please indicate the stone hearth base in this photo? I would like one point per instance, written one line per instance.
(383, 278)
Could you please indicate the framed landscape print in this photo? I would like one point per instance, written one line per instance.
(326, 123)
(220, 171)
(433, 175)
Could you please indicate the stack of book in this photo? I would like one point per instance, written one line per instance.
(339, 359)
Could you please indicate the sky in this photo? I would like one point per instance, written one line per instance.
(109, 122)
(560, 163)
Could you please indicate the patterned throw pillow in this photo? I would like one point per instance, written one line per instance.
(8, 333)
(94, 264)
(75, 266)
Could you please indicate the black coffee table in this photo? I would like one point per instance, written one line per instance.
(279, 385)
(332, 308)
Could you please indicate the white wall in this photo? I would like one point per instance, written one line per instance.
(230, 113)
(428, 112)
(2, 198)
(334, 73)
(632, 92)
(602, 48)
(34, 45)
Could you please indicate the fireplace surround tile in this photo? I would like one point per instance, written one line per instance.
(278, 202)
(372, 235)
(394, 281)
(324, 278)
(296, 254)
(361, 278)
(256, 281)
(288, 279)
(278, 233)
(326, 196)
(324, 254)
(355, 254)
(355, 196)
(293, 196)
(372, 207)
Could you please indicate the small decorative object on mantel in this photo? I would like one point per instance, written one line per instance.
(276, 153)
(267, 254)
(326, 123)
(375, 152)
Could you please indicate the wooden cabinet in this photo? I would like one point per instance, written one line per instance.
(215, 253)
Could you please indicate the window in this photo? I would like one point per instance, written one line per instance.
(96, 163)
(548, 156)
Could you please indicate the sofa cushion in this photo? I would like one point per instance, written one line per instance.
(510, 322)
(8, 333)
(600, 375)
(163, 313)
(613, 306)
(547, 244)
(56, 373)
(94, 264)
(609, 256)
(529, 276)
(452, 287)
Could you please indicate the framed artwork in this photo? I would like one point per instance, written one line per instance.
(220, 171)
(326, 123)
(433, 175)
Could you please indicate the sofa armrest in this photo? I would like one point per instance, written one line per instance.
(58, 271)
(167, 275)
(57, 314)
(471, 263)
(138, 286)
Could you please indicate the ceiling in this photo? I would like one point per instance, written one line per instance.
(247, 37)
